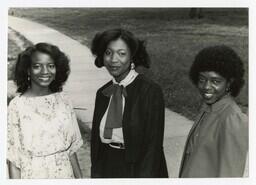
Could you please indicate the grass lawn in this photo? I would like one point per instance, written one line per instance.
(13, 51)
(172, 40)
(16, 44)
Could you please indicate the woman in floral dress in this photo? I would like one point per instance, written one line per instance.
(43, 133)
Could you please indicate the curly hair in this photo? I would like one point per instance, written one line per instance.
(223, 60)
(137, 47)
(23, 65)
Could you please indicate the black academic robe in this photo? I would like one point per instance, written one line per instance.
(143, 129)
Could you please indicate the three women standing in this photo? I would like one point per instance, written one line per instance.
(43, 133)
(128, 122)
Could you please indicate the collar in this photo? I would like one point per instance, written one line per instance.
(128, 79)
(219, 105)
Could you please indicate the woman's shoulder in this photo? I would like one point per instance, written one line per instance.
(234, 109)
(146, 83)
(64, 97)
(104, 86)
(14, 100)
(234, 117)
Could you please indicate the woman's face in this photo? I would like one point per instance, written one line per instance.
(42, 71)
(117, 59)
(212, 86)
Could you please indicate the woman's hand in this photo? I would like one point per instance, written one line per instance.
(75, 166)
(14, 172)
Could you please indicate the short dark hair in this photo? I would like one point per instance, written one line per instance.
(137, 47)
(223, 60)
(61, 62)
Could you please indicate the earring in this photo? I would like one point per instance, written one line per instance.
(132, 66)
(227, 89)
(28, 77)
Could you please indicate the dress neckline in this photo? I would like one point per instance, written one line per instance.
(38, 97)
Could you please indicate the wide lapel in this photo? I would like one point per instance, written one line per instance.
(101, 107)
(131, 152)
(131, 93)
(197, 121)
(99, 110)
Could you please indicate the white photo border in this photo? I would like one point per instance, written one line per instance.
(6, 4)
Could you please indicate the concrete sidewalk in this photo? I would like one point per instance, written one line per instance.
(85, 79)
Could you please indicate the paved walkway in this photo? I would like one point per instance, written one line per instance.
(84, 81)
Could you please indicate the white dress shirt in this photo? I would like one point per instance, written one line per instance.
(117, 134)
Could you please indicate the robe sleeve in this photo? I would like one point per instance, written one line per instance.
(233, 146)
(13, 134)
(94, 140)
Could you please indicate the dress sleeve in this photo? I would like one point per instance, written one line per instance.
(76, 138)
(233, 146)
(13, 135)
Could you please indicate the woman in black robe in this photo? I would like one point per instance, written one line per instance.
(128, 122)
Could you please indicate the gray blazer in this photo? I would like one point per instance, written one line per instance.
(217, 144)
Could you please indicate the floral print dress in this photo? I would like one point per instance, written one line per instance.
(42, 134)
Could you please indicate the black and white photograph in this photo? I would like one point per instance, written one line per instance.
(141, 94)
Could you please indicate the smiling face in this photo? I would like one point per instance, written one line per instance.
(212, 86)
(42, 71)
(117, 59)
